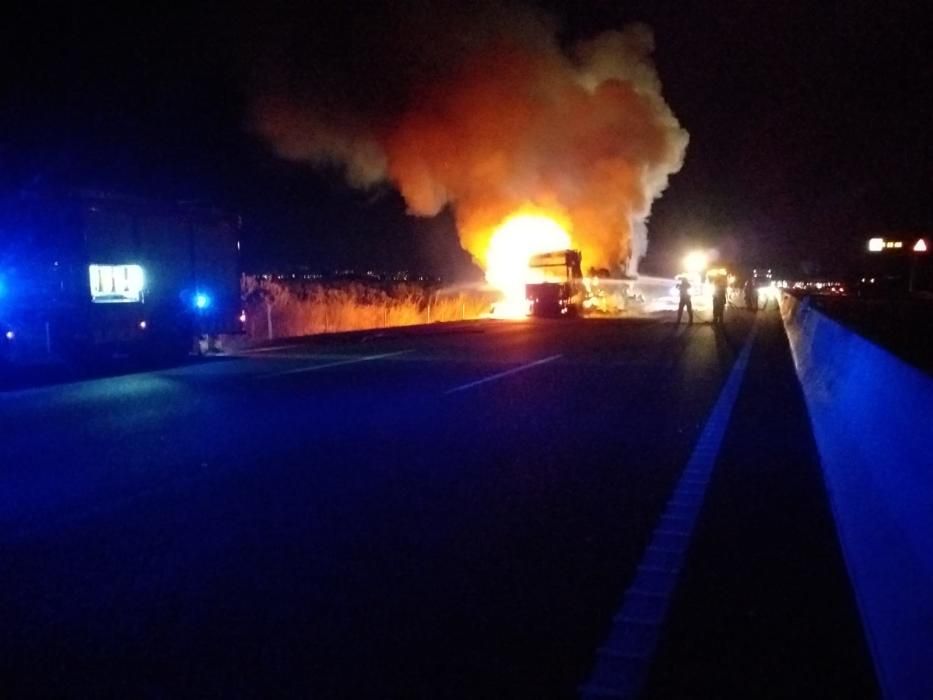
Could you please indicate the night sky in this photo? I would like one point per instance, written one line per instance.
(809, 126)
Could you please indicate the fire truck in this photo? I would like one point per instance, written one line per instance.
(556, 285)
(89, 275)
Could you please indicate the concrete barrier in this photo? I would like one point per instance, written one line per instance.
(872, 418)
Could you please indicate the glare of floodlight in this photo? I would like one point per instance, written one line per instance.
(696, 261)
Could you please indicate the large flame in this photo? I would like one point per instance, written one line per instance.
(511, 247)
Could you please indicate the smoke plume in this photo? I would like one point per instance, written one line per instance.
(484, 111)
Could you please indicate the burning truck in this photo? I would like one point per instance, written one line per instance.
(557, 288)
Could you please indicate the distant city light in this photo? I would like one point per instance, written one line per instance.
(920, 246)
(10, 335)
(243, 316)
(142, 325)
(201, 301)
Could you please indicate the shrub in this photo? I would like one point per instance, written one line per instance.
(301, 307)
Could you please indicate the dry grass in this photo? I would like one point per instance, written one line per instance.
(305, 308)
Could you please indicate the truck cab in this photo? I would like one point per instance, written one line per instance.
(556, 285)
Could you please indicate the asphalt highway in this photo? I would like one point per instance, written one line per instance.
(444, 511)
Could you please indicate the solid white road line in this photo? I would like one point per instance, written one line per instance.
(340, 363)
(295, 356)
(500, 375)
(622, 662)
(272, 348)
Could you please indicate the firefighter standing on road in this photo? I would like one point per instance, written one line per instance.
(719, 298)
(751, 295)
(683, 286)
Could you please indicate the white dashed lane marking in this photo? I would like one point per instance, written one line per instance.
(502, 375)
(338, 363)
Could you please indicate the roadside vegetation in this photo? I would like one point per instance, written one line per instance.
(286, 308)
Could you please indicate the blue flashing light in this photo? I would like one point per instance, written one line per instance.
(202, 301)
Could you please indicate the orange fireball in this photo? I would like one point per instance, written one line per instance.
(511, 247)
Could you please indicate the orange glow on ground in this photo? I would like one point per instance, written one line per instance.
(511, 247)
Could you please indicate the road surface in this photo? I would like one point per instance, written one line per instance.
(447, 511)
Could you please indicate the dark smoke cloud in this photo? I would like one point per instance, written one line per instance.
(480, 109)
